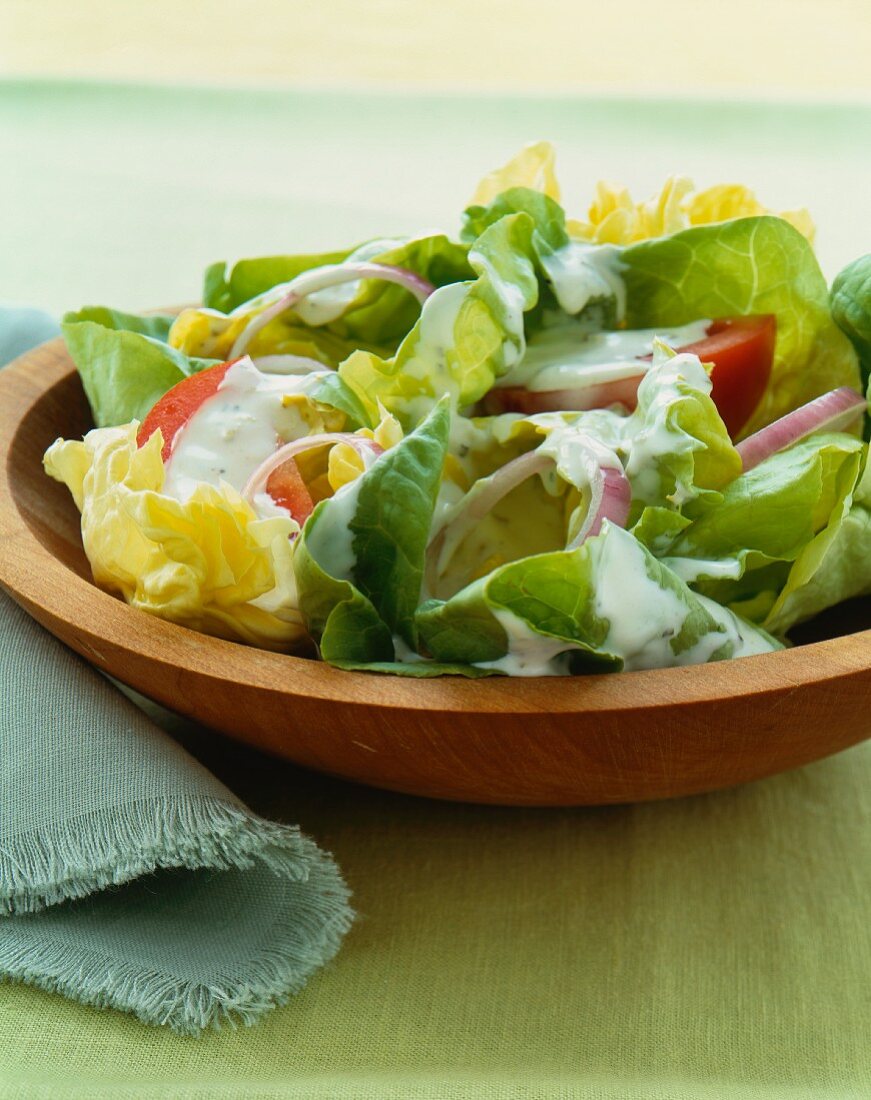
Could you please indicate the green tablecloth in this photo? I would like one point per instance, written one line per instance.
(713, 947)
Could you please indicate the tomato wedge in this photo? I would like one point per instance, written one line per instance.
(741, 349)
(173, 411)
(286, 487)
(179, 404)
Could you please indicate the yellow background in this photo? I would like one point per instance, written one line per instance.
(806, 48)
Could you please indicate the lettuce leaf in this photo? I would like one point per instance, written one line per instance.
(851, 309)
(746, 266)
(208, 562)
(770, 531)
(678, 448)
(360, 558)
(605, 606)
(124, 362)
(468, 334)
(226, 288)
(576, 277)
(371, 314)
(837, 568)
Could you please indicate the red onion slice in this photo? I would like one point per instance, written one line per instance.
(319, 278)
(610, 499)
(832, 411)
(366, 448)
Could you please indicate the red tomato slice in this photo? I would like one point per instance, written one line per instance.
(622, 391)
(287, 488)
(741, 349)
(285, 485)
(179, 404)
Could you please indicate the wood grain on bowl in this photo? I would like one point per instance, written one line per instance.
(553, 741)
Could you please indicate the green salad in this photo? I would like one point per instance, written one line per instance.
(542, 445)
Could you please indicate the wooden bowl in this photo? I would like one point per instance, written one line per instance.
(549, 741)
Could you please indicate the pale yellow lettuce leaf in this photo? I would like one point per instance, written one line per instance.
(207, 563)
(533, 167)
(345, 464)
(615, 218)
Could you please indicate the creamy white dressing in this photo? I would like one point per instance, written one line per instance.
(580, 273)
(578, 461)
(286, 364)
(323, 306)
(746, 640)
(236, 429)
(670, 380)
(691, 570)
(529, 653)
(439, 317)
(331, 541)
(568, 356)
(266, 508)
(643, 618)
(428, 364)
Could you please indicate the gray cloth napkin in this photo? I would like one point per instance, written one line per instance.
(129, 876)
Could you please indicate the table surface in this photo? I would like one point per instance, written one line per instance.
(710, 947)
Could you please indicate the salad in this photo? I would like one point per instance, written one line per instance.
(545, 446)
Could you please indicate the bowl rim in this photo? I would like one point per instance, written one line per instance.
(53, 592)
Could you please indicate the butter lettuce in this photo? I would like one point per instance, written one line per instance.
(124, 361)
(578, 278)
(677, 447)
(607, 605)
(534, 167)
(360, 558)
(370, 313)
(851, 309)
(614, 217)
(746, 266)
(770, 531)
(834, 569)
(468, 334)
(207, 563)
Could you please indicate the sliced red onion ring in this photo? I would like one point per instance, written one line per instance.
(611, 496)
(610, 499)
(319, 278)
(366, 448)
(833, 411)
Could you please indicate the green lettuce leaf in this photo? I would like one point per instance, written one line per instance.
(548, 218)
(851, 309)
(468, 334)
(769, 532)
(124, 362)
(677, 447)
(578, 278)
(371, 314)
(359, 562)
(837, 568)
(227, 288)
(746, 266)
(607, 605)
